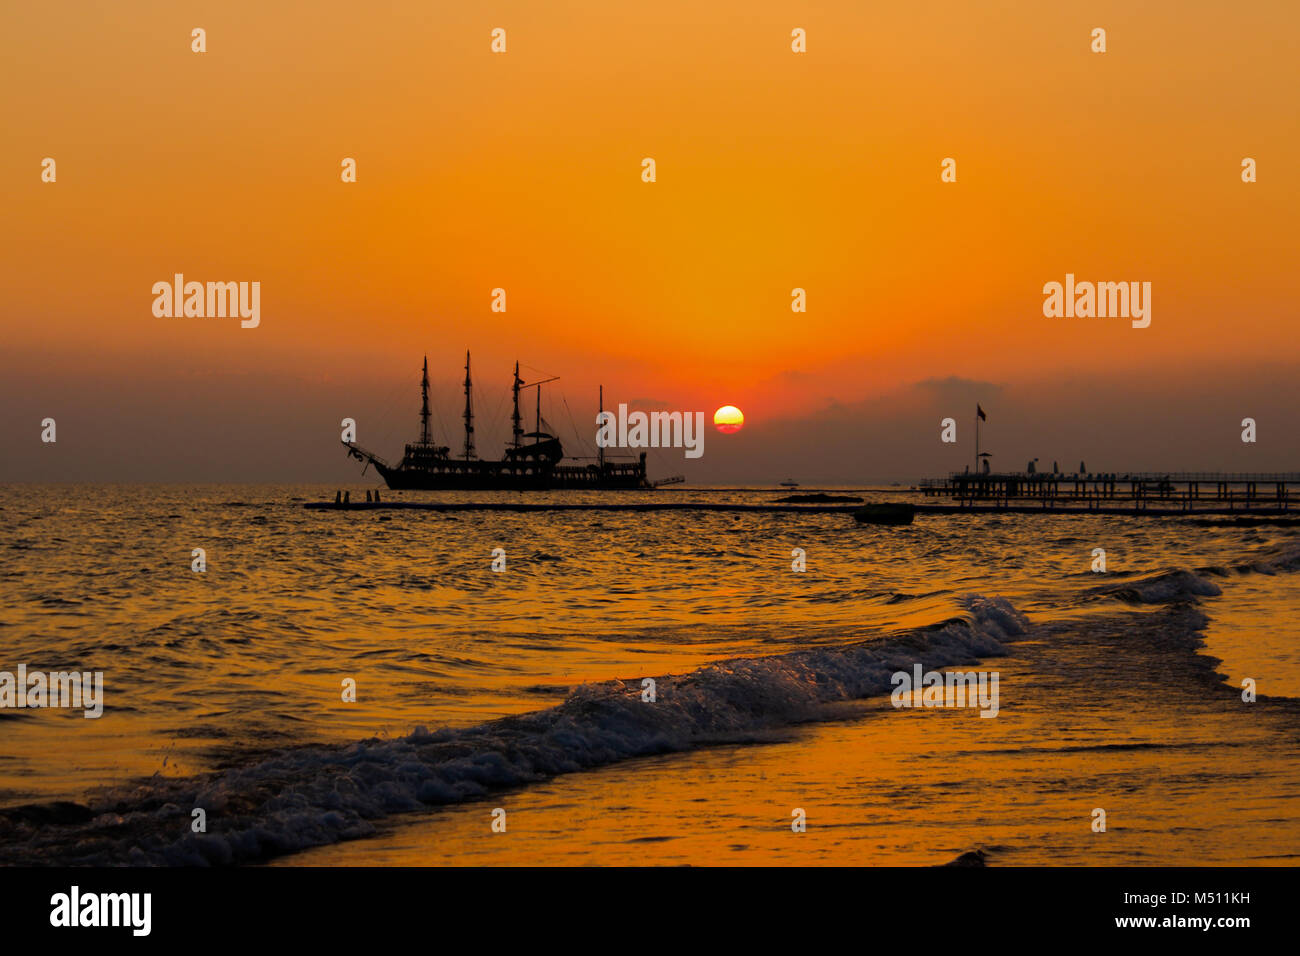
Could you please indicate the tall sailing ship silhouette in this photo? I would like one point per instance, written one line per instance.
(532, 462)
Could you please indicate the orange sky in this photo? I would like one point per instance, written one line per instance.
(522, 171)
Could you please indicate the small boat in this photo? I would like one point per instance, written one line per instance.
(886, 512)
(789, 483)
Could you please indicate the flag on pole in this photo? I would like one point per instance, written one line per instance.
(980, 412)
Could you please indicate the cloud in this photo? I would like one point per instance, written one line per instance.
(956, 390)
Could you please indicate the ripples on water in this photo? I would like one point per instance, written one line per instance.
(204, 671)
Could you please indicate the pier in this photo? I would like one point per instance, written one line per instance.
(1130, 494)
(1127, 492)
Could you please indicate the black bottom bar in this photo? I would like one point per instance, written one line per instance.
(474, 907)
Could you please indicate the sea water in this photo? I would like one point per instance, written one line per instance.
(225, 689)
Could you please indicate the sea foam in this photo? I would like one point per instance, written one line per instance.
(313, 796)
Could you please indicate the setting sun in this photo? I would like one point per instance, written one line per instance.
(729, 418)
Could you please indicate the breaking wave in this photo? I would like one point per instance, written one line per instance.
(313, 796)
(1168, 587)
(1285, 558)
(1180, 585)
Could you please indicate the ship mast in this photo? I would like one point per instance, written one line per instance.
(600, 449)
(537, 422)
(424, 404)
(516, 417)
(469, 414)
